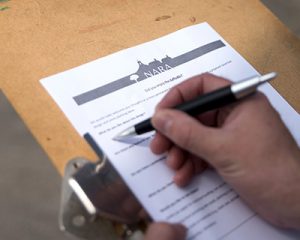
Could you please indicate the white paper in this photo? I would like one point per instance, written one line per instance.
(106, 96)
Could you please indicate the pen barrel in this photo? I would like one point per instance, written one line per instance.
(201, 104)
(208, 102)
(143, 127)
(213, 100)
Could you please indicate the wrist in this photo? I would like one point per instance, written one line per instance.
(288, 204)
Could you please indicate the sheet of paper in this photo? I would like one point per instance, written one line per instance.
(106, 96)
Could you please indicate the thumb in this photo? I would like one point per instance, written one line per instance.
(188, 133)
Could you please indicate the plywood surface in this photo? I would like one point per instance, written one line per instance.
(40, 38)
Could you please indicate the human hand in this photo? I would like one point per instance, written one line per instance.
(165, 231)
(247, 143)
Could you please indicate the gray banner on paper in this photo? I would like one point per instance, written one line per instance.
(146, 71)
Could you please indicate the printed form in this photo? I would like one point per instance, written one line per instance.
(107, 95)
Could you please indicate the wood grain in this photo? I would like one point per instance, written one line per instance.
(40, 38)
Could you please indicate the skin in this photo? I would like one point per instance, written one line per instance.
(246, 143)
(165, 231)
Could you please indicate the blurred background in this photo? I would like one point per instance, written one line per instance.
(29, 184)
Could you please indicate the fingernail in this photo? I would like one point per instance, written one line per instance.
(162, 121)
(180, 182)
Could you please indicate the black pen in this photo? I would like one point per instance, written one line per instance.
(206, 102)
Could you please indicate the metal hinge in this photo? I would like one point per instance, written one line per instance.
(96, 203)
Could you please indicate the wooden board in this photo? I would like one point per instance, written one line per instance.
(40, 38)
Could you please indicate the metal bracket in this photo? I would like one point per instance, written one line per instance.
(77, 221)
(96, 203)
(74, 218)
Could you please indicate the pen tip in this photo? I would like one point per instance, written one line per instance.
(125, 133)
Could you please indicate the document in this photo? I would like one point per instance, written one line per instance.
(112, 93)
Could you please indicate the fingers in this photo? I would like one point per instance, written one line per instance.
(187, 133)
(191, 88)
(178, 133)
(165, 231)
(185, 165)
(160, 144)
(184, 175)
(190, 167)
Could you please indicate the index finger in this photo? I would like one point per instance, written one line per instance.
(192, 88)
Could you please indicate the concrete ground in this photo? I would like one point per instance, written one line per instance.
(29, 184)
(287, 11)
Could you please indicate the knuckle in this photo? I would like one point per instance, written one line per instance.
(207, 75)
(170, 99)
